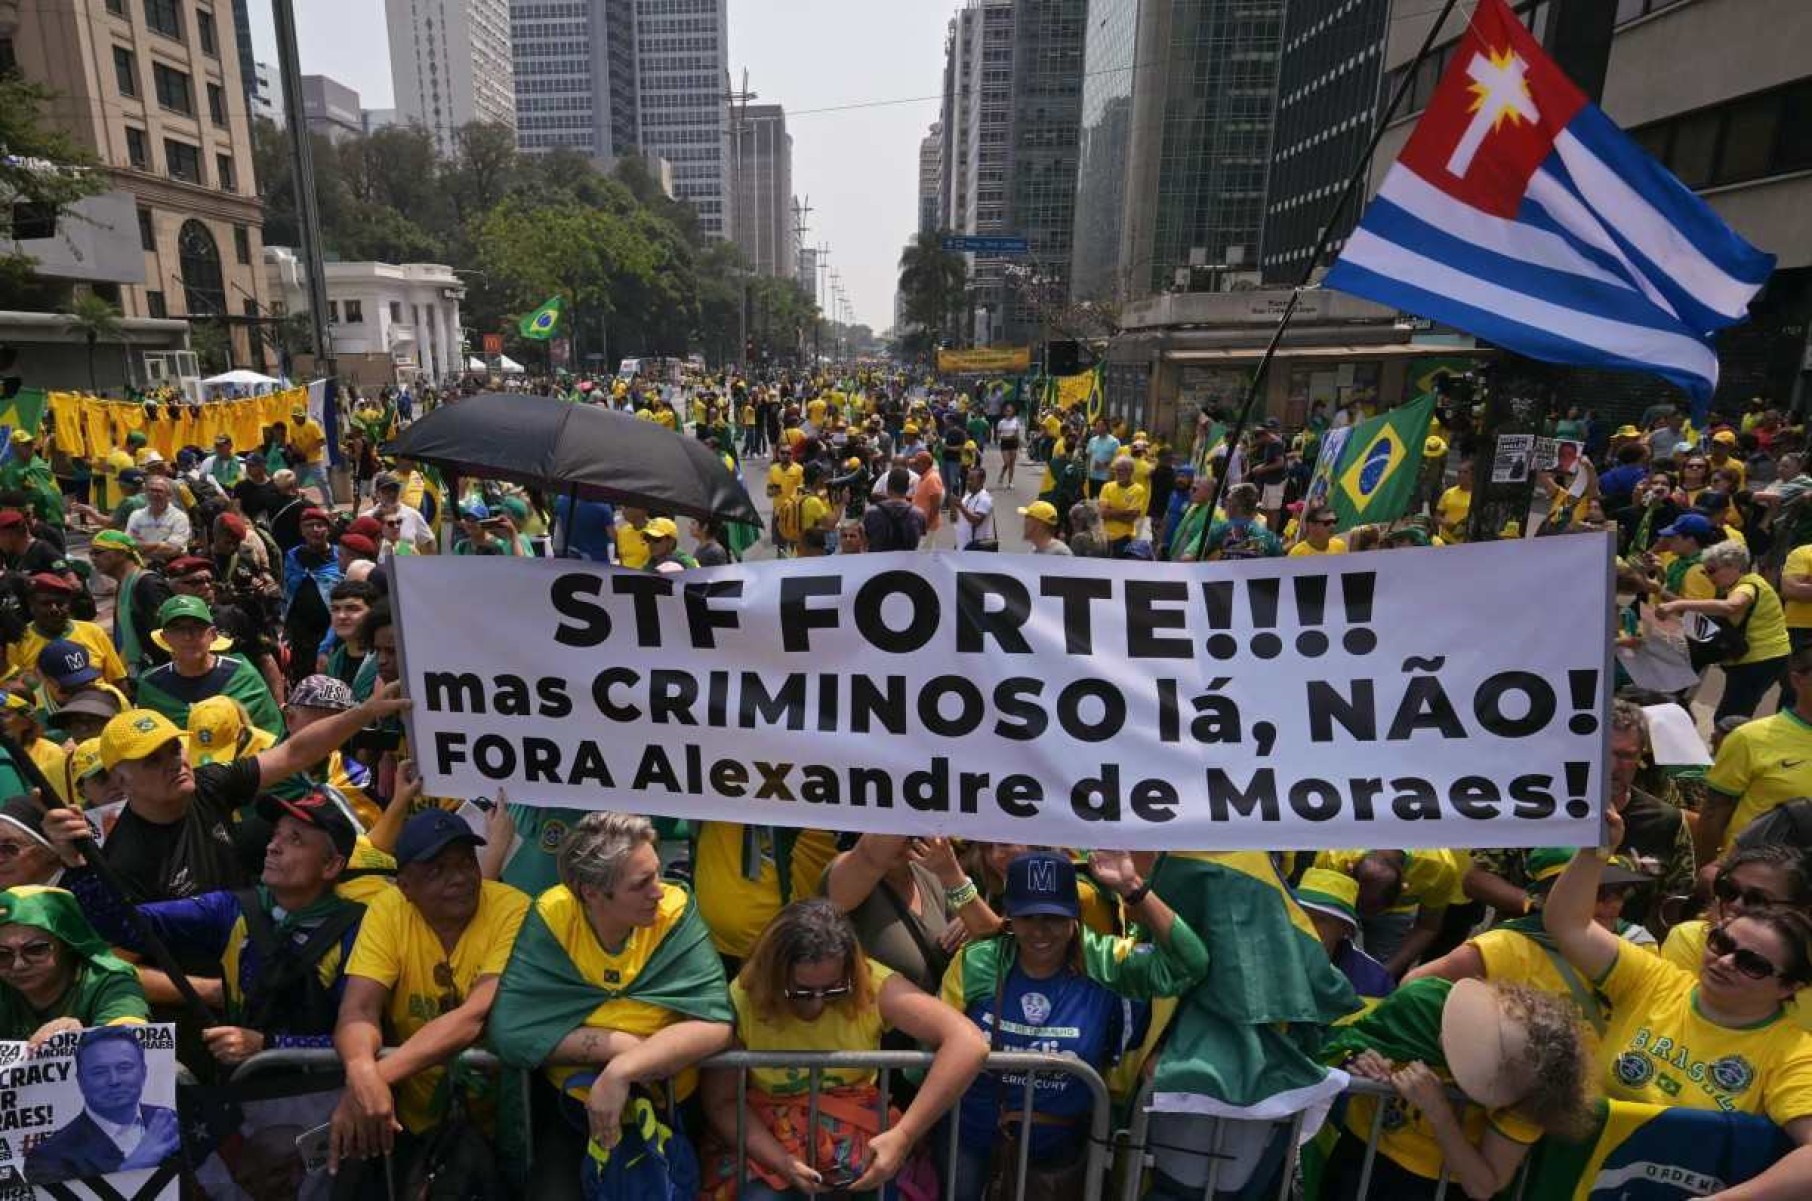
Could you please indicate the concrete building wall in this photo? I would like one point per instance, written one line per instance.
(450, 64)
(761, 159)
(682, 76)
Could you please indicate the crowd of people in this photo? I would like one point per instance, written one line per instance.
(206, 713)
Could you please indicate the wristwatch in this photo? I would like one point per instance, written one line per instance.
(1136, 895)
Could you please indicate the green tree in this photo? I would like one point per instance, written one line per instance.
(932, 284)
(212, 345)
(99, 321)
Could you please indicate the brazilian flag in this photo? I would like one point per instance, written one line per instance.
(1376, 476)
(540, 325)
(1645, 1151)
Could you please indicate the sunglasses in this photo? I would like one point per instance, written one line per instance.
(816, 994)
(1726, 891)
(1750, 963)
(29, 955)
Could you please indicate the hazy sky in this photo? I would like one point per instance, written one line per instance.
(859, 166)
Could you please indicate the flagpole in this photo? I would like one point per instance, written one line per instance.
(1359, 173)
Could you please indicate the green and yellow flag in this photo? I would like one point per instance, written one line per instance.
(540, 325)
(1376, 475)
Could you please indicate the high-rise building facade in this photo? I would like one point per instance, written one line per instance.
(158, 103)
(1327, 106)
(761, 158)
(1103, 141)
(575, 63)
(1046, 110)
(931, 166)
(267, 94)
(682, 56)
(1197, 143)
(450, 65)
(331, 108)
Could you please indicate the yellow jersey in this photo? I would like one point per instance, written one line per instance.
(839, 1027)
(1302, 550)
(1685, 949)
(1799, 563)
(736, 897)
(1761, 765)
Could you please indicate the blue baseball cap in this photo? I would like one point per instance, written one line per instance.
(429, 833)
(1690, 525)
(1040, 882)
(67, 663)
(475, 510)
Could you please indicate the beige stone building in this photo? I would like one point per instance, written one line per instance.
(152, 89)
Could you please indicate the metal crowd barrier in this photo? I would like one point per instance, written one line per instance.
(1136, 1140)
(885, 1063)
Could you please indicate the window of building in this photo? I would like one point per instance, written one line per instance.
(125, 71)
(165, 17)
(173, 90)
(204, 33)
(1751, 137)
(396, 311)
(225, 179)
(154, 304)
(147, 233)
(250, 308)
(1749, 134)
(9, 59)
(333, 312)
(182, 160)
(203, 285)
(137, 152)
(355, 312)
(117, 7)
(242, 244)
(217, 104)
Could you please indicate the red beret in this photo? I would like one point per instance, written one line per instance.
(187, 565)
(316, 513)
(358, 544)
(43, 581)
(233, 524)
(11, 519)
(368, 526)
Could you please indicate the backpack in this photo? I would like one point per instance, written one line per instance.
(288, 997)
(789, 517)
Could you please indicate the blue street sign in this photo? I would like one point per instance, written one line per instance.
(986, 244)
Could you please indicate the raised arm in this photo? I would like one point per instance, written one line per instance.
(1567, 916)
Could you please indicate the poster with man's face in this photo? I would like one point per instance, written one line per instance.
(90, 1111)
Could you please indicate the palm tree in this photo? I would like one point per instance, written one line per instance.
(97, 319)
(932, 280)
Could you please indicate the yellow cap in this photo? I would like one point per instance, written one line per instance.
(1333, 893)
(85, 760)
(1041, 510)
(135, 734)
(660, 527)
(220, 733)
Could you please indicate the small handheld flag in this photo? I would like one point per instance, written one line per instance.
(1519, 213)
(541, 324)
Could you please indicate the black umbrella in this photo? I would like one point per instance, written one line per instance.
(577, 450)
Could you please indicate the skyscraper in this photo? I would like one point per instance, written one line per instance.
(1197, 143)
(762, 166)
(450, 64)
(931, 164)
(575, 75)
(1327, 102)
(682, 57)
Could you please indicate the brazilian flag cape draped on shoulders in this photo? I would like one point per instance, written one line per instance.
(1644, 1152)
(1245, 1043)
(543, 997)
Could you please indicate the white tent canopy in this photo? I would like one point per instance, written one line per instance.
(240, 378)
(509, 365)
(475, 365)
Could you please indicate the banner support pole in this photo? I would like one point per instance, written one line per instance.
(1360, 171)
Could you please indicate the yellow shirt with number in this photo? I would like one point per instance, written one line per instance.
(1133, 496)
(1302, 550)
(565, 918)
(1799, 563)
(399, 950)
(1762, 764)
(1660, 1048)
(840, 1027)
(737, 907)
(1685, 949)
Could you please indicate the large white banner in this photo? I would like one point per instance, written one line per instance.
(1451, 697)
(91, 1113)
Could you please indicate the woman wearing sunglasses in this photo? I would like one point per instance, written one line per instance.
(1747, 878)
(1715, 1037)
(56, 973)
(807, 986)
